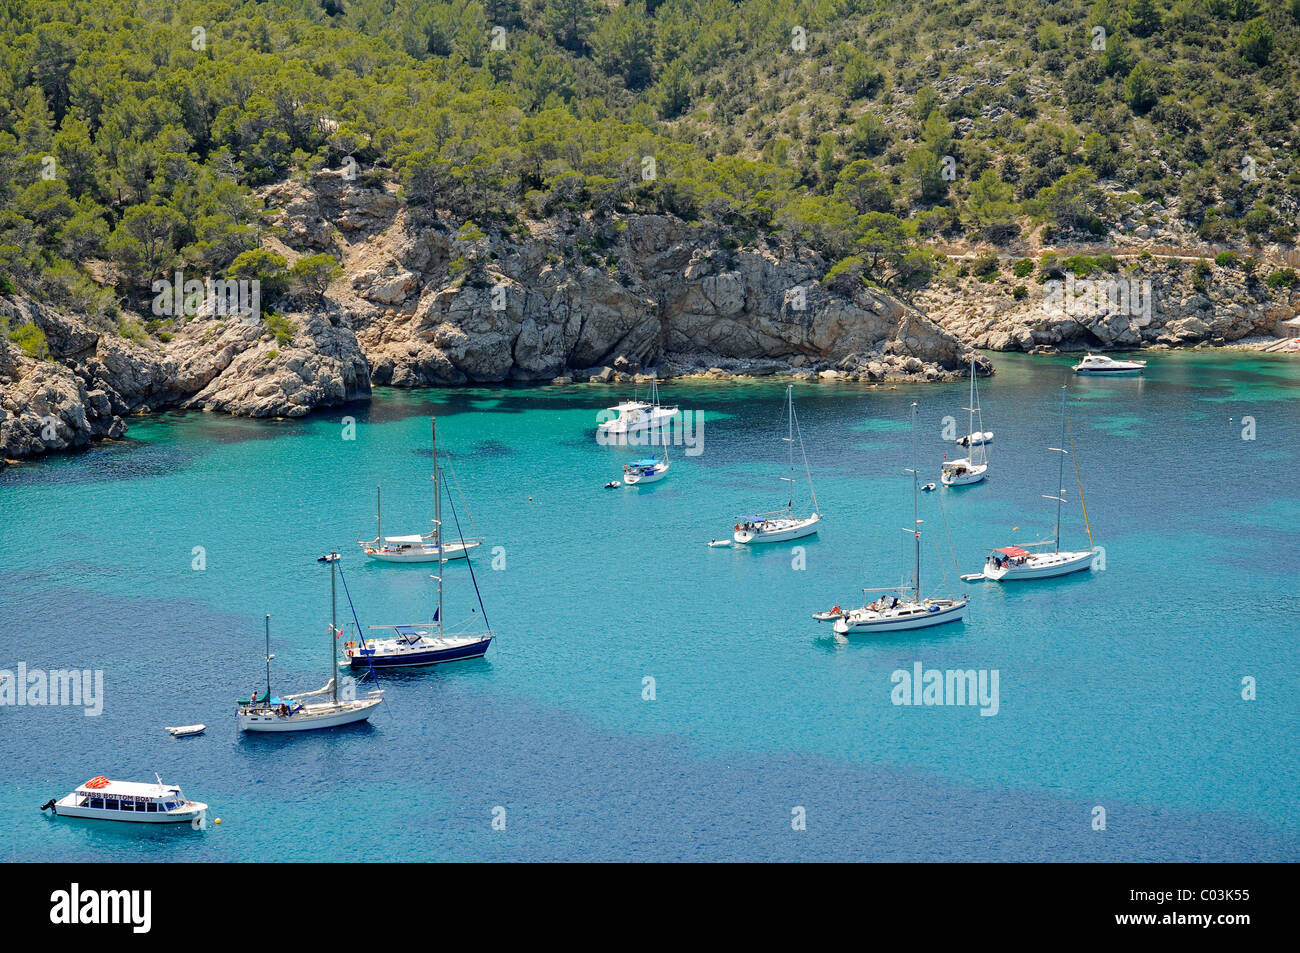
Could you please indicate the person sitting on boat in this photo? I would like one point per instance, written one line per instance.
(894, 604)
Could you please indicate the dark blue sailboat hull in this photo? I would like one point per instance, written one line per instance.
(431, 657)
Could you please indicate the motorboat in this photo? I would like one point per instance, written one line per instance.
(104, 800)
(634, 416)
(1101, 364)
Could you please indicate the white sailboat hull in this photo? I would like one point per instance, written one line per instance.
(192, 811)
(777, 531)
(327, 715)
(1043, 566)
(637, 477)
(423, 554)
(966, 476)
(906, 616)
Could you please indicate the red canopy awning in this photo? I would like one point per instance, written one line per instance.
(1013, 551)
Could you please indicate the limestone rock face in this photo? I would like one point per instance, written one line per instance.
(424, 301)
(1147, 303)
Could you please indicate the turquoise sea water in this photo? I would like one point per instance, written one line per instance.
(1120, 689)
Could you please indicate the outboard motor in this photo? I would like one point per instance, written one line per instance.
(48, 805)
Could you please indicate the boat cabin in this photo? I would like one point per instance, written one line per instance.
(101, 794)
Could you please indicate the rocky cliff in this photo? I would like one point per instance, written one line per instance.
(1146, 302)
(423, 301)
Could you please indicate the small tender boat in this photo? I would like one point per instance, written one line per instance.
(928, 488)
(1101, 364)
(648, 470)
(975, 439)
(636, 415)
(613, 485)
(105, 800)
(185, 731)
(719, 542)
(830, 615)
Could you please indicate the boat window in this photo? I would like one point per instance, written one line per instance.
(128, 806)
(152, 808)
(97, 802)
(110, 805)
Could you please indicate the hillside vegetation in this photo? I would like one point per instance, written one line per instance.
(134, 135)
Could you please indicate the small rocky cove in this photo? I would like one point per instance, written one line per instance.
(422, 301)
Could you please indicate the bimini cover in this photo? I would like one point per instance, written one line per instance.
(408, 633)
(644, 463)
(404, 540)
(1015, 552)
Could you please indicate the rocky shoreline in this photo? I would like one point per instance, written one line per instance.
(422, 301)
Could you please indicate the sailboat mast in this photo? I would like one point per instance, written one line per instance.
(334, 642)
(379, 516)
(789, 393)
(916, 514)
(437, 516)
(1060, 475)
(268, 659)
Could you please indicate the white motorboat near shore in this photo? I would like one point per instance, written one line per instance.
(104, 800)
(634, 416)
(1101, 364)
(780, 526)
(975, 439)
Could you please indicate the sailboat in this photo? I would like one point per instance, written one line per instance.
(415, 548)
(972, 467)
(781, 525)
(292, 712)
(636, 415)
(419, 644)
(1010, 563)
(889, 613)
(647, 469)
